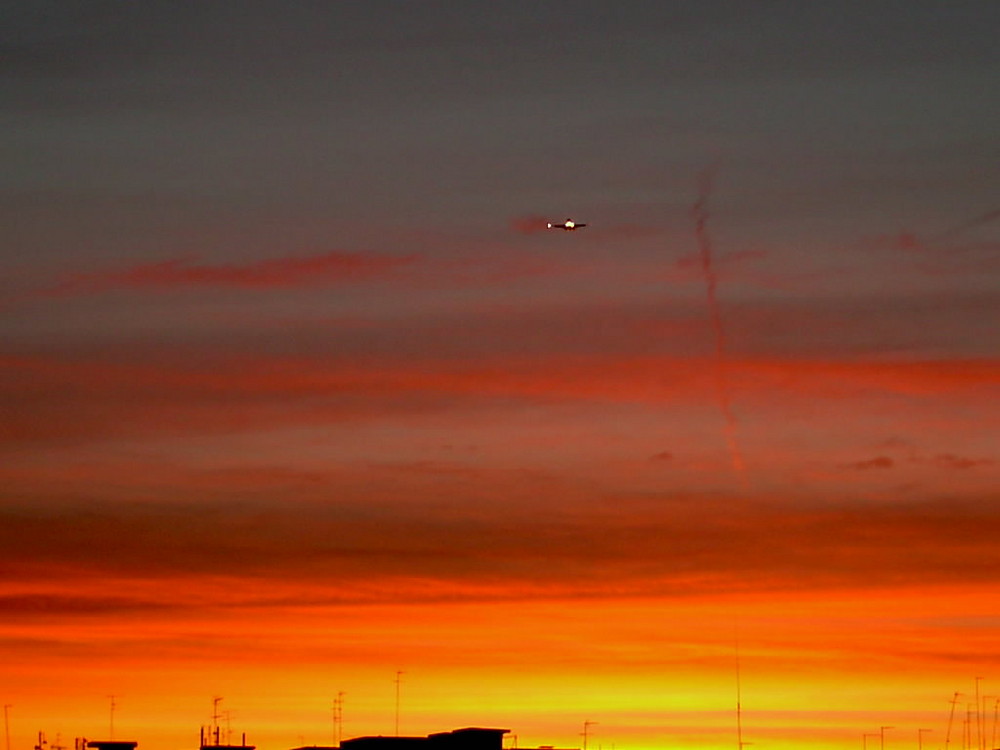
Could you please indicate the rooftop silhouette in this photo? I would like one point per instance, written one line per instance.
(469, 738)
(112, 745)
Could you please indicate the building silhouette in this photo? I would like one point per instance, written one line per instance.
(469, 738)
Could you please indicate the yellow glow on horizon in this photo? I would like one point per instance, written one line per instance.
(654, 673)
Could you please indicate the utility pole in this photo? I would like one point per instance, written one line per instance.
(864, 740)
(586, 732)
(399, 680)
(920, 737)
(6, 722)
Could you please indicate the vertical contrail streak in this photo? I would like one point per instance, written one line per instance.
(700, 213)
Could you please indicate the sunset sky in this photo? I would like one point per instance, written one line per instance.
(297, 391)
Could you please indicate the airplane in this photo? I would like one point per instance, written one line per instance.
(569, 225)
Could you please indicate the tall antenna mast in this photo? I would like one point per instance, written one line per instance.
(586, 732)
(399, 680)
(6, 722)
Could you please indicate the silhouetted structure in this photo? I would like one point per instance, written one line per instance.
(470, 738)
(111, 745)
(210, 741)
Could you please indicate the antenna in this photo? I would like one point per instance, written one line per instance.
(920, 738)
(399, 679)
(6, 722)
(740, 744)
(996, 714)
(586, 731)
(980, 737)
(216, 700)
(111, 734)
(951, 718)
(338, 718)
(881, 735)
(739, 697)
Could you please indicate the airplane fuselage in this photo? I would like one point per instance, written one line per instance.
(569, 225)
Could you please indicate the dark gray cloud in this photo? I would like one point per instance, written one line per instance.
(661, 544)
